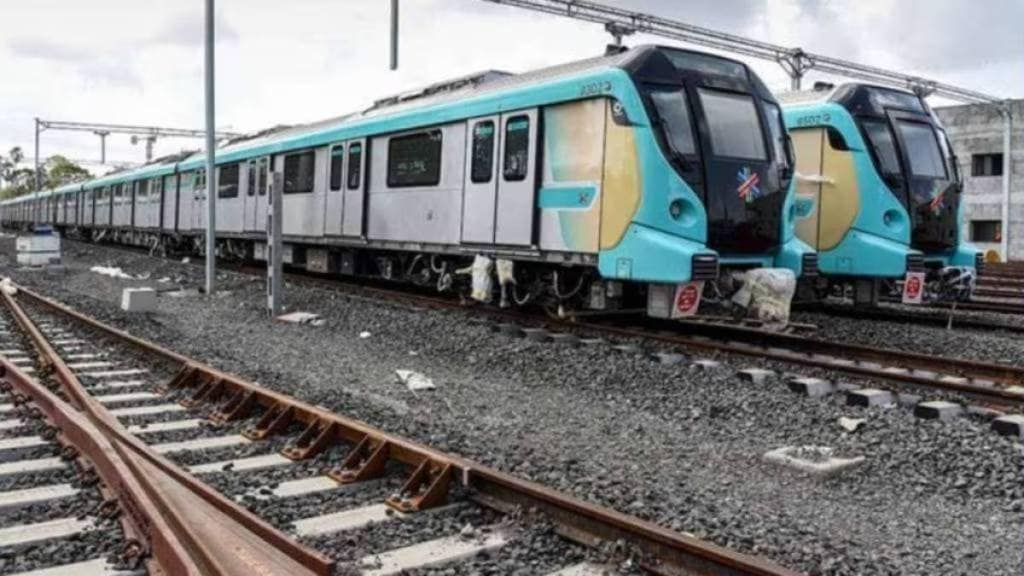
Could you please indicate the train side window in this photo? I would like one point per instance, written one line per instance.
(674, 114)
(142, 188)
(261, 174)
(482, 166)
(881, 141)
(355, 166)
(227, 183)
(415, 160)
(779, 144)
(733, 123)
(251, 180)
(516, 162)
(299, 172)
(337, 159)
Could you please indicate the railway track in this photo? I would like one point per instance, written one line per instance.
(998, 386)
(907, 317)
(178, 445)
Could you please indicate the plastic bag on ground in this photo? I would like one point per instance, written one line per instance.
(767, 294)
(414, 380)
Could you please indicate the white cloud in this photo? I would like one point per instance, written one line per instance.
(123, 61)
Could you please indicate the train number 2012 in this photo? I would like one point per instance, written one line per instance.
(595, 88)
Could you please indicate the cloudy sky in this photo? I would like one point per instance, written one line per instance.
(132, 62)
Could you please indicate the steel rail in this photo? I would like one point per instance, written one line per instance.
(221, 537)
(930, 319)
(143, 522)
(577, 520)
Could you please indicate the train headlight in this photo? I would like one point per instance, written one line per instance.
(675, 209)
(892, 219)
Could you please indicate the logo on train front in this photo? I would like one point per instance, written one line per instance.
(749, 188)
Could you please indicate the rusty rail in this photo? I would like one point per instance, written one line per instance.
(580, 521)
(143, 522)
(217, 536)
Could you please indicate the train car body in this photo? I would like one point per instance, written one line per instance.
(878, 168)
(637, 171)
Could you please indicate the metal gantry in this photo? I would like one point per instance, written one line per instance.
(147, 133)
(795, 61)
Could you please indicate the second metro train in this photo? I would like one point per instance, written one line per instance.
(885, 187)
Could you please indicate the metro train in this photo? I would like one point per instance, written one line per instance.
(607, 182)
(878, 168)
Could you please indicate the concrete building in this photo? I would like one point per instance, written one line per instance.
(976, 131)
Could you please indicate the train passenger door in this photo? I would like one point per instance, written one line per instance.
(516, 202)
(335, 197)
(249, 210)
(262, 184)
(354, 201)
(199, 201)
(480, 194)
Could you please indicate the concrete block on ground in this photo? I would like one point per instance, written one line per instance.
(810, 387)
(1012, 425)
(814, 460)
(756, 375)
(705, 364)
(938, 410)
(38, 258)
(869, 397)
(38, 243)
(138, 300)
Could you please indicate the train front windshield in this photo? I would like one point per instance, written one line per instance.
(723, 130)
(913, 157)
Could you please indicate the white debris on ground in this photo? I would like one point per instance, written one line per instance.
(364, 334)
(851, 424)
(814, 460)
(767, 294)
(414, 381)
(302, 318)
(8, 287)
(112, 271)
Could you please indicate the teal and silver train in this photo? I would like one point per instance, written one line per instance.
(607, 182)
(877, 167)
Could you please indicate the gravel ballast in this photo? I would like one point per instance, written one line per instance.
(682, 448)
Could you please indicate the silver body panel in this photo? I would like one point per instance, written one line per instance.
(418, 214)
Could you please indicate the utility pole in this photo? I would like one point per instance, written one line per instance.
(39, 183)
(211, 150)
(394, 34)
(1007, 111)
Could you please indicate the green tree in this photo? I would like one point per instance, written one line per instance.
(61, 171)
(57, 171)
